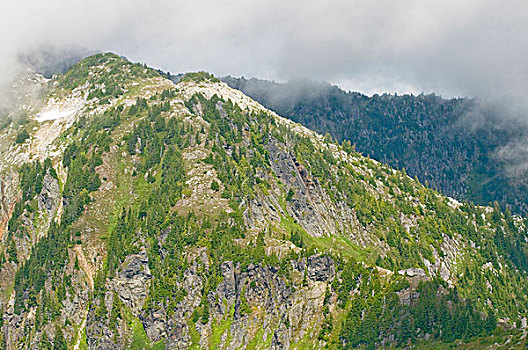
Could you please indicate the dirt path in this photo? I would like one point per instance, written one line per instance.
(84, 265)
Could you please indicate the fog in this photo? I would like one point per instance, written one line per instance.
(474, 48)
(454, 48)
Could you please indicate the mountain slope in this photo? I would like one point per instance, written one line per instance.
(458, 146)
(139, 213)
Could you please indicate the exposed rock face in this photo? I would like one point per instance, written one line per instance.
(8, 198)
(307, 203)
(48, 197)
(320, 268)
(258, 287)
(11, 323)
(132, 282)
(227, 290)
(310, 204)
(251, 249)
(98, 332)
(155, 324)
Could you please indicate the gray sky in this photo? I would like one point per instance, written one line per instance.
(464, 47)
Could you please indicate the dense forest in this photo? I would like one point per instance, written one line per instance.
(454, 145)
(187, 216)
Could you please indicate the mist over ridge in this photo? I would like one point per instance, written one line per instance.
(471, 48)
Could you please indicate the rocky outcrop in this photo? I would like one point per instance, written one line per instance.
(313, 247)
(320, 268)
(48, 199)
(310, 205)
(8, 198)
(253, 298)
(132, 282)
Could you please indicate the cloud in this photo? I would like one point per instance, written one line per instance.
(453, 48)
(468, 48)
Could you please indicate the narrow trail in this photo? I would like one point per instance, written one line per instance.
(84, 265)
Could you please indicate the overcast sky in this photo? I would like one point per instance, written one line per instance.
(454, 48)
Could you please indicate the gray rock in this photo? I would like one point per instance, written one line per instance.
(320, 268)
(132, 282)
(48, 199)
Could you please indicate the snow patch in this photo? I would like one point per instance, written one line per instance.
(60, 110)
(55, 114)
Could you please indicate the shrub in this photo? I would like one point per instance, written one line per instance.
(22, 136)
(215, 186)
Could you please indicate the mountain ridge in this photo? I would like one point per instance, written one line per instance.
(458, 146)
(188, 216)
